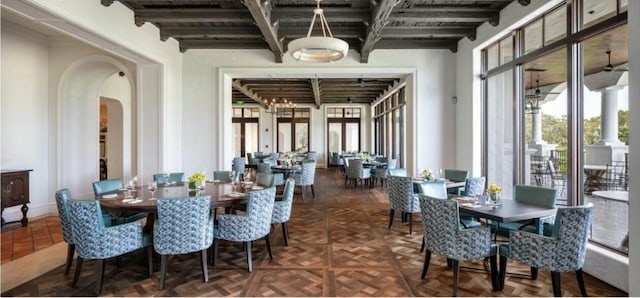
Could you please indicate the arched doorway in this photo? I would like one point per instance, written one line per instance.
(81, 87)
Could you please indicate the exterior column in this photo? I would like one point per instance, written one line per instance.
(609, 116)
(536, 128)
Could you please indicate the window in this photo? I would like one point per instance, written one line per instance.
(293, 129)
(245, 130)
(343, 126)
(389, 126)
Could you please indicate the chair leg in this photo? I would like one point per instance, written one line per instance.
(214, 253)
(493, 260)
(410, 223)
(449, 263)
(266, 238)
(425, 267)
(534, 273)
(99, 275)
(203, 264)
(248, 252)
(456, 271)
(285, 233)
(503, 271)
(580, 278)
(77, 274)
(302, 189)
(150, 260)
(313, 192)
(555, 281)
(422, 245)
(71, 249)
(391, 211)
(163, 270)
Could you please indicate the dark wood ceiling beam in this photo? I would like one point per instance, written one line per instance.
(210, 32)
(305, 14)
(261, 13)
(449, 15)
(249, 93)
(196, 15)
(422, 32)
(186, 44)
(417, 44)
(379, 20)
(342, 32)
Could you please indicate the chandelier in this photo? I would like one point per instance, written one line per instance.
(323, 48)
(275, 104)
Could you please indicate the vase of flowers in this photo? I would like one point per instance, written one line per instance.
(495, 193)
(426, 174)
(197, 180)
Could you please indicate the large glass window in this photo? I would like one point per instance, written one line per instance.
(389, 126)
(500, 131)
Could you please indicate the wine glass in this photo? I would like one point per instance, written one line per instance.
(440, 174)
(232, 176)
(201, 186)
(152, 187)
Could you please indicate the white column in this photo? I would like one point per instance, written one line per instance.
(536, 128)
(609, 116)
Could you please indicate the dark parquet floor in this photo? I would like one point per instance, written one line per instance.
(339, 246)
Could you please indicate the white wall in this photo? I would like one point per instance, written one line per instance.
(634, 151)
(204, 104)
(24, 115)
(603, 264)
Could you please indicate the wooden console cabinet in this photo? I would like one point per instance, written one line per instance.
(15, 191)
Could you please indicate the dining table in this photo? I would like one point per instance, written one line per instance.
(286, 169)
(140, 199)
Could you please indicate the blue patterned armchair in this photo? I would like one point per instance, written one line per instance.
(357, 172)
(251, 226)
(444, 236)
(62, 197)
(402, 198)
(176, 177)
(563, 251)
(398, 172)
(282, 209)
(238, 165)
(96, 241)
(112, 186)
(306, 177)
(264, 167)
(184, 225)
(472, 187)
(383, 172)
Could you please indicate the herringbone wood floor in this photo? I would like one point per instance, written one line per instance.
(339, 246)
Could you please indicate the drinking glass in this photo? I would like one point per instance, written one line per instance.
(246, 177)
(152, 187)
(232, 176)
(201, 186)
(440, 174)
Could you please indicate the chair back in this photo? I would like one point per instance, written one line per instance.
(535, 195)
(308, 174)
(356, 169)
(434, 189)
(264, 167)
(456, 175)
(474, 186)
(250, 159)
(238, 164)
(62, 197)
(346, 162)
(184, 225)
(312, 155)
(108, 186)
(392, 163)
(222, 176)
(255, 223)
(335, 159)
(266, 180)
(571, 228)
(176, 177)
(381, 159)
(401, 196)
(398, 172)
(95, 241)
(282, 208)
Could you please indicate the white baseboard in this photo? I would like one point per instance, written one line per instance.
(14, 213)
(607, 266)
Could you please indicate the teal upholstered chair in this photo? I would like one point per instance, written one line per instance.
(456, 176)
(357, 172)
(398, 172)
(306, 177)
(563, 251)
(434, 189)
(109, 186)
(264, 167)
(62, 197)
(250, 226)
(94, 240)
(238, 165)
(265, 180)
(112, 186)
(472, 187)
(383, 172)
(184, 225)
(222, 176)
(176, 177)
(282, 209)
(402, 198)
(534, 195)
(444, 236)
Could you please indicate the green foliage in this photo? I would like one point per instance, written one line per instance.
(554, 129)
(623, 126)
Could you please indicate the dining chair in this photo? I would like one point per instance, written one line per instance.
(435, 189)
(563, 251)
(282, 209)
(265, 180)
(402, 198)
(184, 225)
(357, 172)
(224, 176)
(95, 241)
(306, 177)
(110, 187)
(398, 172)
(473, 187)
(455, 176)
(383, 172)
(160, 178)
(444, 236)
(250, 226)
(238, 165)
(534, 195)
(62, 197)
(264, 167)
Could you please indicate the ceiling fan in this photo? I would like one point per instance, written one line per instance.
(535, 92)
(609, 67)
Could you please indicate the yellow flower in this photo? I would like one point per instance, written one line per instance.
(426, 173)
(494, 188)
(197, 177)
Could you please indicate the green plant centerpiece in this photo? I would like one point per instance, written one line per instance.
(197, 179)
(495, 193)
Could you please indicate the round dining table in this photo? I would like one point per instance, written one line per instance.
(223, 194)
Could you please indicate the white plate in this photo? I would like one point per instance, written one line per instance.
(257, 187)
(135, 201)
(236, 194)
(110, 196)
